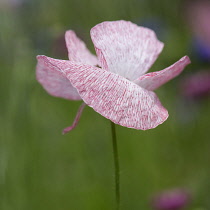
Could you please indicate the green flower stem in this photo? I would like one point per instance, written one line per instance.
(116, 166)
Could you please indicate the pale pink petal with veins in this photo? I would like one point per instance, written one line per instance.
(113, 96)
(125, 48)
(76, 120)
(77, 50)
(54, 81)
(153, 80)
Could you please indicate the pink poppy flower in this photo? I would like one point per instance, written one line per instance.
(113, 83)
(197, 14)
(171, 200)
(197, 85)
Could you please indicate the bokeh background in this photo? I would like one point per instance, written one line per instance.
(42, 169)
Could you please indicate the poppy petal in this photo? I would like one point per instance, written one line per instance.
(54, 82)
(153, 80)
(125, 48)
(113, 96)
(77, 50)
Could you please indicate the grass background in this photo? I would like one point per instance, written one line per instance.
(42, 169)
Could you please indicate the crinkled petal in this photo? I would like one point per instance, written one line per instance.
(77, 50)
(113, 96)
(125, 48)
(76, 120)
(153, 80)
(54, 82)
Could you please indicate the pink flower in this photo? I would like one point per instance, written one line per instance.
(196, 85)
(118, 90)
(171, 200)
(197, 14)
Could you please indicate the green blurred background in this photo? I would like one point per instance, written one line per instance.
(42, 169)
